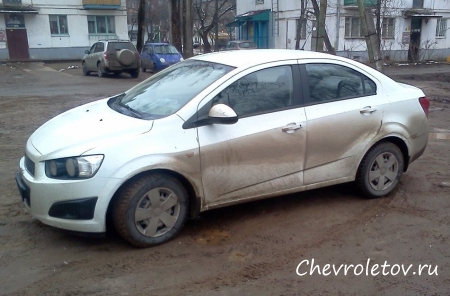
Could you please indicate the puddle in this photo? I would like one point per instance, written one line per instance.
(212, 236)
(440, 136)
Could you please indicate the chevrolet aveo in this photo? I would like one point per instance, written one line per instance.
(220, 129)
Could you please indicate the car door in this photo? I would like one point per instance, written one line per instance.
(88, 59)
(344, 109)
(263, 153)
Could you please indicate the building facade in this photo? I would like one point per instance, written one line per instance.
(414, 30)
(55, 29)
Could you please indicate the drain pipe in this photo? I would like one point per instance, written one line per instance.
(338, 25)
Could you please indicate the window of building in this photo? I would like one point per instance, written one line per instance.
(353, 27)
(441, 27)
(388, 28)
(260, 92)
(58, 25)
(101, 24)
(329, 82)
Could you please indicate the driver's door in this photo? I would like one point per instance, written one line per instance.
(263, 153)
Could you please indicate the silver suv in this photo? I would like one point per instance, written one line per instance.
(115, 56)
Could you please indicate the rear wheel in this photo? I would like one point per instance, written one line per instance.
(100, 70)
(380, 170)
(143, 67)
(134, 73)
(151, 210)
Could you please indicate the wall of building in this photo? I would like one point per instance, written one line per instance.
(431, 47)
(44, 46)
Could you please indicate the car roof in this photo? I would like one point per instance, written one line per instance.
(241, 58)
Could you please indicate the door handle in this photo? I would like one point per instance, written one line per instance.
(367, 110)
(291, 127)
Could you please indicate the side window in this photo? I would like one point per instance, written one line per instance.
(329, 82)
(150, 50)
(145, 49)
(262, 91)
(92, 50)
(99, 47)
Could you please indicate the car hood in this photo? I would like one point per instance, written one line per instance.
(84, 128)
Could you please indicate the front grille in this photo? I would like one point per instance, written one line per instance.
(29, 165)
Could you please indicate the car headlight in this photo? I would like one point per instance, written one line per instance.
(82, 167)
(181, 59)
(162, 60)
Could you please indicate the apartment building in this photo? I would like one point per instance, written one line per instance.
(55, 29)
(410, 29)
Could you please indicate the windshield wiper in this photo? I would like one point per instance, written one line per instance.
(133, 112)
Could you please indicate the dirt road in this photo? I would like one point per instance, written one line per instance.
(259, 248)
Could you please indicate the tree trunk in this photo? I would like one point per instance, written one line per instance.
(326, 39)
(141, 25)
(175, 24)
(188, 47)
(206, 44)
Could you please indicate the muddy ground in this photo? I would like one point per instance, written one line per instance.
(249, 249)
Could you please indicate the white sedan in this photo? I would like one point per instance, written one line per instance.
(220, 129)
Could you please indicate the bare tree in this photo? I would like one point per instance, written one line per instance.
(209, 16)
(141, 25)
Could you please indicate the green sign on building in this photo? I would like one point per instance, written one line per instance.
(355, 2)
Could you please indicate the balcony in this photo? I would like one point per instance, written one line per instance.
(101, 4)
(367, 3)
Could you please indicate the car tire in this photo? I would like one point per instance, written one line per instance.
(151, 210)
(143, 68)
(85, 70)
(134, 73)
(380, 170)
(125, 57)
(100, 70)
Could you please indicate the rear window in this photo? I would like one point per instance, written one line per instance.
(121, 45)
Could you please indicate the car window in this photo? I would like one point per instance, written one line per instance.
(164, 94)
(262, 91)
(145, 49)
(150, 50)
(121, 45)
(92, 50)
(165, 49)
(329, 82)
(99, 47)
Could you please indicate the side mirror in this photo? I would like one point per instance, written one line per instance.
(222, 114)
(86, 51)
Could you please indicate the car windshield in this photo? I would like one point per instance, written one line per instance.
(164, 94)
(165, 49)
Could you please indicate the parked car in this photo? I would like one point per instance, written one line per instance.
(158, 56)
(240, 45)
(111, 56)
(220, 129)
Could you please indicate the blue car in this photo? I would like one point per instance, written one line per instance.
(158, 56)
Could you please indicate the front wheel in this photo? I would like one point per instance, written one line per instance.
(380, 170)
(85, 70)
(151, 210)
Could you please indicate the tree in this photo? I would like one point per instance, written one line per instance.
(209, 16)
(141, 25)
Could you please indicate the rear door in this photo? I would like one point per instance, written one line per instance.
(263, 153)
(344, 109)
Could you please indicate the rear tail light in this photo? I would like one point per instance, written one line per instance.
(425, 103)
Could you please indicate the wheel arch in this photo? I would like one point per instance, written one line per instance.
(194, 200)
(399, 142)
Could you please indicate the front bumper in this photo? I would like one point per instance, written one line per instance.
(76, 205)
